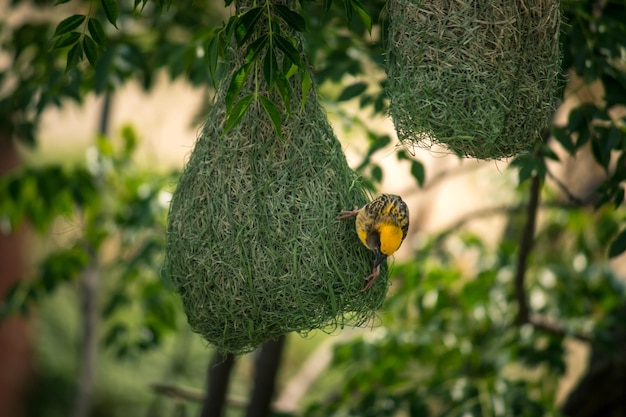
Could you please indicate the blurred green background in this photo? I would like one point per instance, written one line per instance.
(507, 298)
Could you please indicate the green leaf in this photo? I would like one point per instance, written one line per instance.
(289, 68)
(563, 137)
(377, 173)
(326, 5)
(235, 114)
(352, 91)
(62, 266)
(284, 90)
(615, 88)
(130, 139)
(74, 56)
(67, 39)
(288, 49)
(527, 164)
(255, 48)
(97, 32)
(270, 67)
(601, 152)
(618, 198)
(69, 24)
(230, 28)
(577, 118)
(213, 55)
(111, 10)
(417, 171)
(91, 50)
(293, 19)
(378, 142)
(548, 153)
(102, 74)
(619, 245)
(249, 20)
(57, 268)
(273, 113)
(104, 146)
(349, 10)
(363, 13)
(57, 2)
(236, 83)
(307, 83)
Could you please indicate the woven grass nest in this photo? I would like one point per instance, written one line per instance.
(477, 76)
(253, 246)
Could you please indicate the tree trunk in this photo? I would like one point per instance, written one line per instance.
(601, 392)
(16, 370)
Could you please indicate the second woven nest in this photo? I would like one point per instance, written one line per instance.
(477, 76)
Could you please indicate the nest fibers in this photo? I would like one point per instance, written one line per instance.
(477, 76)
(253, 246)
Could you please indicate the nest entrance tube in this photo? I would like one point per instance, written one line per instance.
(476, 76)
(253, 246)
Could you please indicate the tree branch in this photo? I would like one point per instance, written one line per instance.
(482, 213)
(574, 199)
(265, 371)
(553, 327)
(89, 342)
(504, 209)
(178, 393)
(218, 376)
(525, 247)
(90, 284)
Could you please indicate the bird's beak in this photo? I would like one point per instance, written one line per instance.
(379, 257)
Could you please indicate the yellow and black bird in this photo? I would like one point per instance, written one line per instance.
(382, 225)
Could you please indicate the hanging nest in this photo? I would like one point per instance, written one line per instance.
(253, 246)
(478, 76)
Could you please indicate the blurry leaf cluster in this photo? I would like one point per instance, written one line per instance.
(114, 216)
(96, 47)
(593, 43)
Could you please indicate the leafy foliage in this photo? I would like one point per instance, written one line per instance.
(447, 345)
(593, 45)
(109, 200)
(49, 59)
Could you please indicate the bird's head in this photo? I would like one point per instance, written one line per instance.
(384, 240)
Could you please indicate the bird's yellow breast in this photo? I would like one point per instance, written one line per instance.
(362, 235)
(390, 238)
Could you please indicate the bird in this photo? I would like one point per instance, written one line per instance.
(382, 224)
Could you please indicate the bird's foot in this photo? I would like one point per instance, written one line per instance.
(346, 214)
(371, 278)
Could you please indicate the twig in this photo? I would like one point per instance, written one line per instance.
(553, 327)
(478, 214)
(572, 198)
(482, 213)
(525, 247)
(178, 393)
